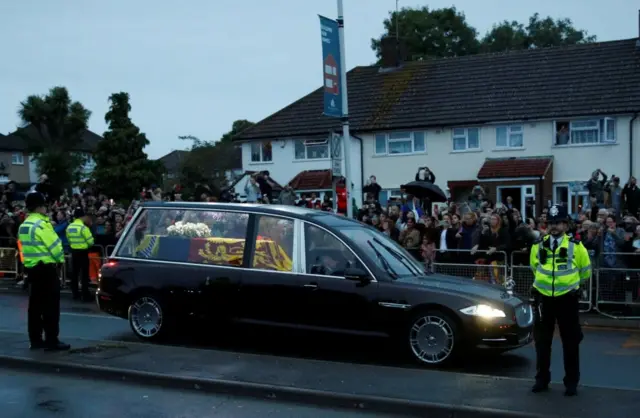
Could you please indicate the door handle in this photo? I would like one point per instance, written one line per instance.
(311, 286)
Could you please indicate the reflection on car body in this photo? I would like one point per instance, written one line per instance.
(288, 266)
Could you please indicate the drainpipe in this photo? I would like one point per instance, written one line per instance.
(361, 160)
(633, 119)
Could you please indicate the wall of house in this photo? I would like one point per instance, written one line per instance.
(13, 170)
(283, 166)
(571, 163)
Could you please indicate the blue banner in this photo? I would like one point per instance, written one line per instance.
(331, 64)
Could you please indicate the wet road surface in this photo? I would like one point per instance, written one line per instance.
(609, 358)
(45, 396)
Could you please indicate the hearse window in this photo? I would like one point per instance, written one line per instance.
(325, 255)
(274, 244)
(187, 236)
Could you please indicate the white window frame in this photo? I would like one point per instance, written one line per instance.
(603, 123)
(309, 143)
(571, 196)
(411, 136)
(261, 145)
(516, 129)
(17, 158)
(456, 135)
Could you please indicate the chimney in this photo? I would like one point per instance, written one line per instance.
(392, 52)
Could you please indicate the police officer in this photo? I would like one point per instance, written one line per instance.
(42, 251)
(80, 240)
(560, 264)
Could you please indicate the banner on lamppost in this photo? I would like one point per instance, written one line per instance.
(331, 62)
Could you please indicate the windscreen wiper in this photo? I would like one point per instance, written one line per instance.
(397, 256)
(385, 263)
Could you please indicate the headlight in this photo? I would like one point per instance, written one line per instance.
(483, 311)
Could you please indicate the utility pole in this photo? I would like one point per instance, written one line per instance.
(346, 138)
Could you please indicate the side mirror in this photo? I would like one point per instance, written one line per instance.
(356, 274)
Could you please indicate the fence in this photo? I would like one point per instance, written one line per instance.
(618, 286)
(11, 269)
(478, 265)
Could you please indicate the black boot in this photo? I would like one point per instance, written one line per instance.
(36, 345)
(540, 387)
(571, 390)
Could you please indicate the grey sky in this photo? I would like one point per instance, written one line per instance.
(194, 67)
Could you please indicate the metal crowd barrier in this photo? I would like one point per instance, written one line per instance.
(97, 257)
(618, 287)
(472, 264)
(522, 276)
(9, 263)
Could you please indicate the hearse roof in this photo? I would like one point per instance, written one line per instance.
(322, 217)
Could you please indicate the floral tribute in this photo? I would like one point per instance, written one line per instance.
(189, 230)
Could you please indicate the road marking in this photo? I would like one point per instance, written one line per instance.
(91, 315)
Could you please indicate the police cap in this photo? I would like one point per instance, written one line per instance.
(557, 213)
(78, 213)
(34, 200)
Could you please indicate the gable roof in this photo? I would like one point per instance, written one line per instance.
(312, 180)
(579, 80)
(14, 141)
(172, 160)
(512, 167)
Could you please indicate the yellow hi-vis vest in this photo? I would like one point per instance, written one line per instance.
(79, 236)
(556, 274)
(39, 241)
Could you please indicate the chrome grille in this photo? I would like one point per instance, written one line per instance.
(524, 315)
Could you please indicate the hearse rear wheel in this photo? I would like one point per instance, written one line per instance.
(432, 338)
(147, 318)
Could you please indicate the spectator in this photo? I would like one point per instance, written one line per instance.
(596, 186)
(252, 189)
(494, 240)
(424, 174)
(631, 197)
(615, 194)
(613, 243)
(287, 196)
(372, 187)
(266, 186)
(410, 237)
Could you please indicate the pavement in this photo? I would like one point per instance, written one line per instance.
(44, 396)
(360, 373)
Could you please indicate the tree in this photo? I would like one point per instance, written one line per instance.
(539, 33)
(430, 33)
(122, 167)
(53, 127)
(446, 33)
(209, 161)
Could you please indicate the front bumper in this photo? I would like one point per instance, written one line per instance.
(504, 333)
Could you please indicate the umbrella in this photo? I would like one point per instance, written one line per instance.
(425, 190)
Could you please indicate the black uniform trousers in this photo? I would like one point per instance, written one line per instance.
(565, 311)
(44, 303)
(80, 273)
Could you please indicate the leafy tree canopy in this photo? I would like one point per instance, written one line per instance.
(53, 127)
(122, 167)
(208, 161)
(446, 33)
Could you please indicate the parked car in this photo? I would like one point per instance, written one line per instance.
(290, 266)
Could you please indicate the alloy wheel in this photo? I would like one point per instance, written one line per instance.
(431, 339)
(146, 317)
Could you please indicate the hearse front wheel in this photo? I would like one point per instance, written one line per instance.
(432, 338)
(147, 317)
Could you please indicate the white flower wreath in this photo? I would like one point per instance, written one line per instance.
(189, 230)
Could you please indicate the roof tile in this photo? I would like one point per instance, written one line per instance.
(578, 80)
(514, 167)
(312, 180)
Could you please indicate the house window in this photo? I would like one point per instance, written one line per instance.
(574, 196)
(311, 150)
(400, 143)
(466, 139)
(261, 152)
(17, 158)
(510, 136)
(585, 131)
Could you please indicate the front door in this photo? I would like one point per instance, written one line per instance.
(330, 300)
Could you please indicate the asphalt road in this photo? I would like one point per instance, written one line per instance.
(45, 396)
(609, 358)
